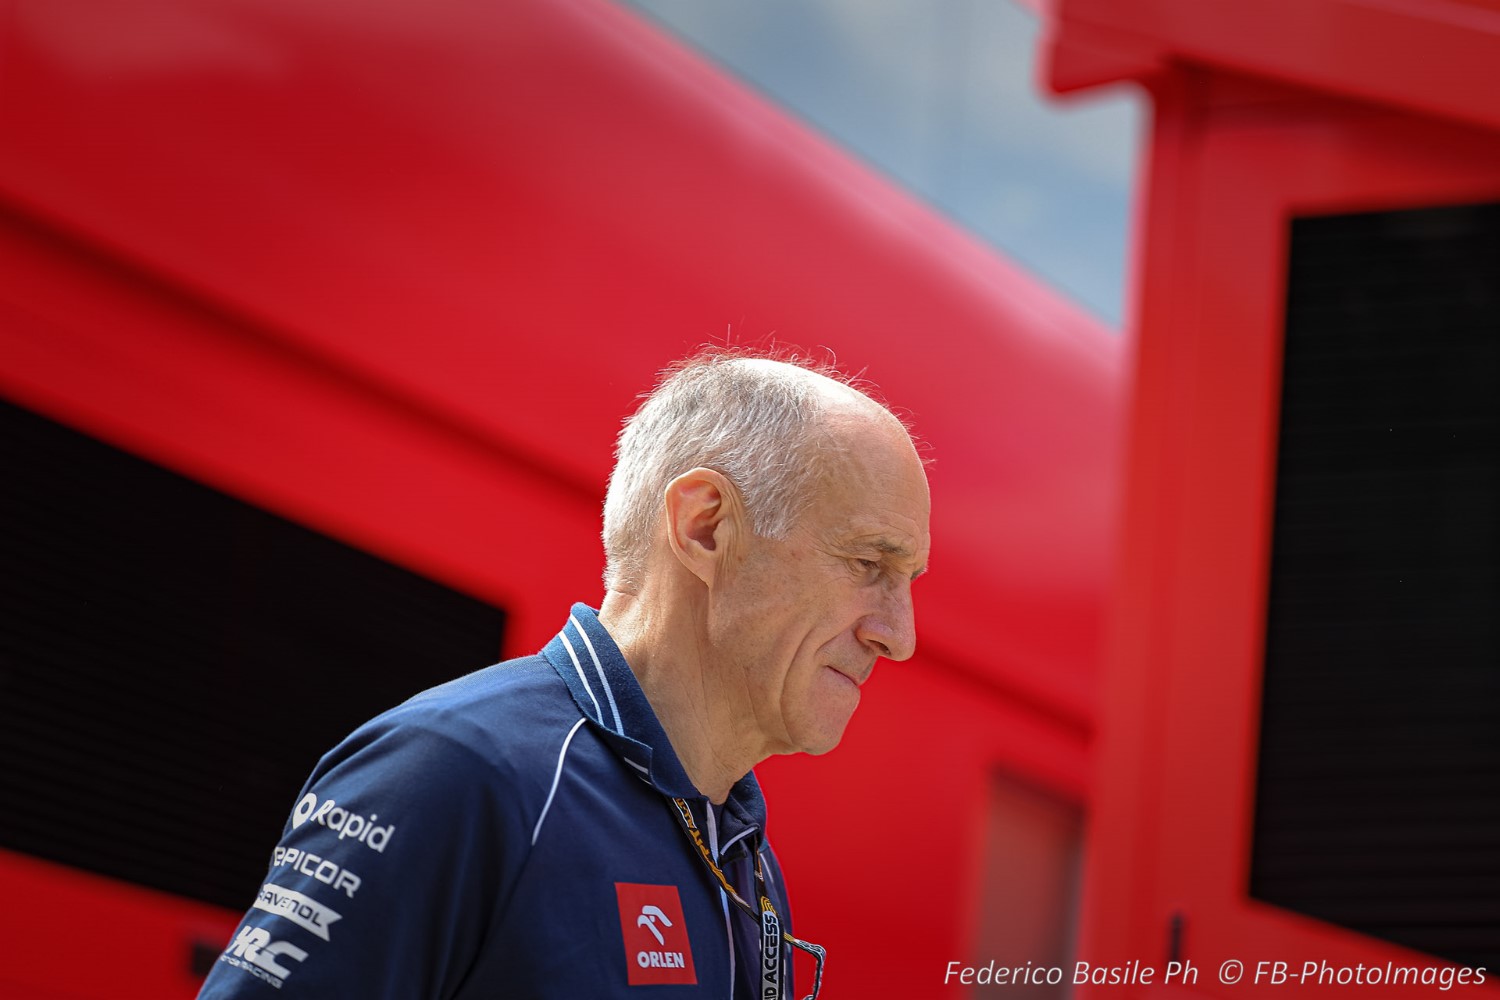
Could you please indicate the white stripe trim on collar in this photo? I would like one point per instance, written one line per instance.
(604, 681)
(581, 675)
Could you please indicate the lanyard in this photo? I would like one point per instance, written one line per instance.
(772, 933)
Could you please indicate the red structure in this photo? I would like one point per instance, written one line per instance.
(1276, 123)
(396, 271)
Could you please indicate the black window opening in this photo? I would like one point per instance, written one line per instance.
(1378, 790)
(173, 662)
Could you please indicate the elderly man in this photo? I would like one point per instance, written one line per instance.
(584, 823)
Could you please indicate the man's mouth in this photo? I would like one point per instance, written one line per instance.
(857, 680)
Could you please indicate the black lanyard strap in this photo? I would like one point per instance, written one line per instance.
(772, 932)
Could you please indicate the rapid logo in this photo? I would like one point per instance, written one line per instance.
(301, 910)
(343, 822)
(255, 952)
(657, 949)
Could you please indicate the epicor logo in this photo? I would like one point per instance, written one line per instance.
(657, 949)
(255, 952)
(343, 822)
(323, 870)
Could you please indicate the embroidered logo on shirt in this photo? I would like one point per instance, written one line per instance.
(299, 909)
(656, 938)
(255, 952)
(343, 822)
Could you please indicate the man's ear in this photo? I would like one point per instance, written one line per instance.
(704, 513)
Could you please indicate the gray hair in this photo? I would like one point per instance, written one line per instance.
(753, 418)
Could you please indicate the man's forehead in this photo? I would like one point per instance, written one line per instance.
(881, 489)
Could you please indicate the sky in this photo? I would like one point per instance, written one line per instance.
(942, 97)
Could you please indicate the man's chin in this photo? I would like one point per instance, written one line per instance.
(826, 738)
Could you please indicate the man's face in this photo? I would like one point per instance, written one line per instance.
(806, 617)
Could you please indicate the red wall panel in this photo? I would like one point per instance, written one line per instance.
(397, 272)
(69, 935)
(1233, 160)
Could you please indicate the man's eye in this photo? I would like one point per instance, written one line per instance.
(868, 565)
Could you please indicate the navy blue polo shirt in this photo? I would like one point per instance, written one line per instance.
(508, 834)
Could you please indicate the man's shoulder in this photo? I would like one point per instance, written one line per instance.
(502, 713)
(520, 685)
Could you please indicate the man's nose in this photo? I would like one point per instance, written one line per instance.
(891, 629)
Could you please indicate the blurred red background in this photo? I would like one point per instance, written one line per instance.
(396, 272)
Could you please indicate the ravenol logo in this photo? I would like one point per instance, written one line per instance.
(657, 949)
(304, 911)
(343, 822)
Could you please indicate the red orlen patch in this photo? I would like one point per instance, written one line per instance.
(656, 937)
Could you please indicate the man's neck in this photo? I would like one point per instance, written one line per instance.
(684, 691)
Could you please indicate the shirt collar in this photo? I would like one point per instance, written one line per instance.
(608, 695)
